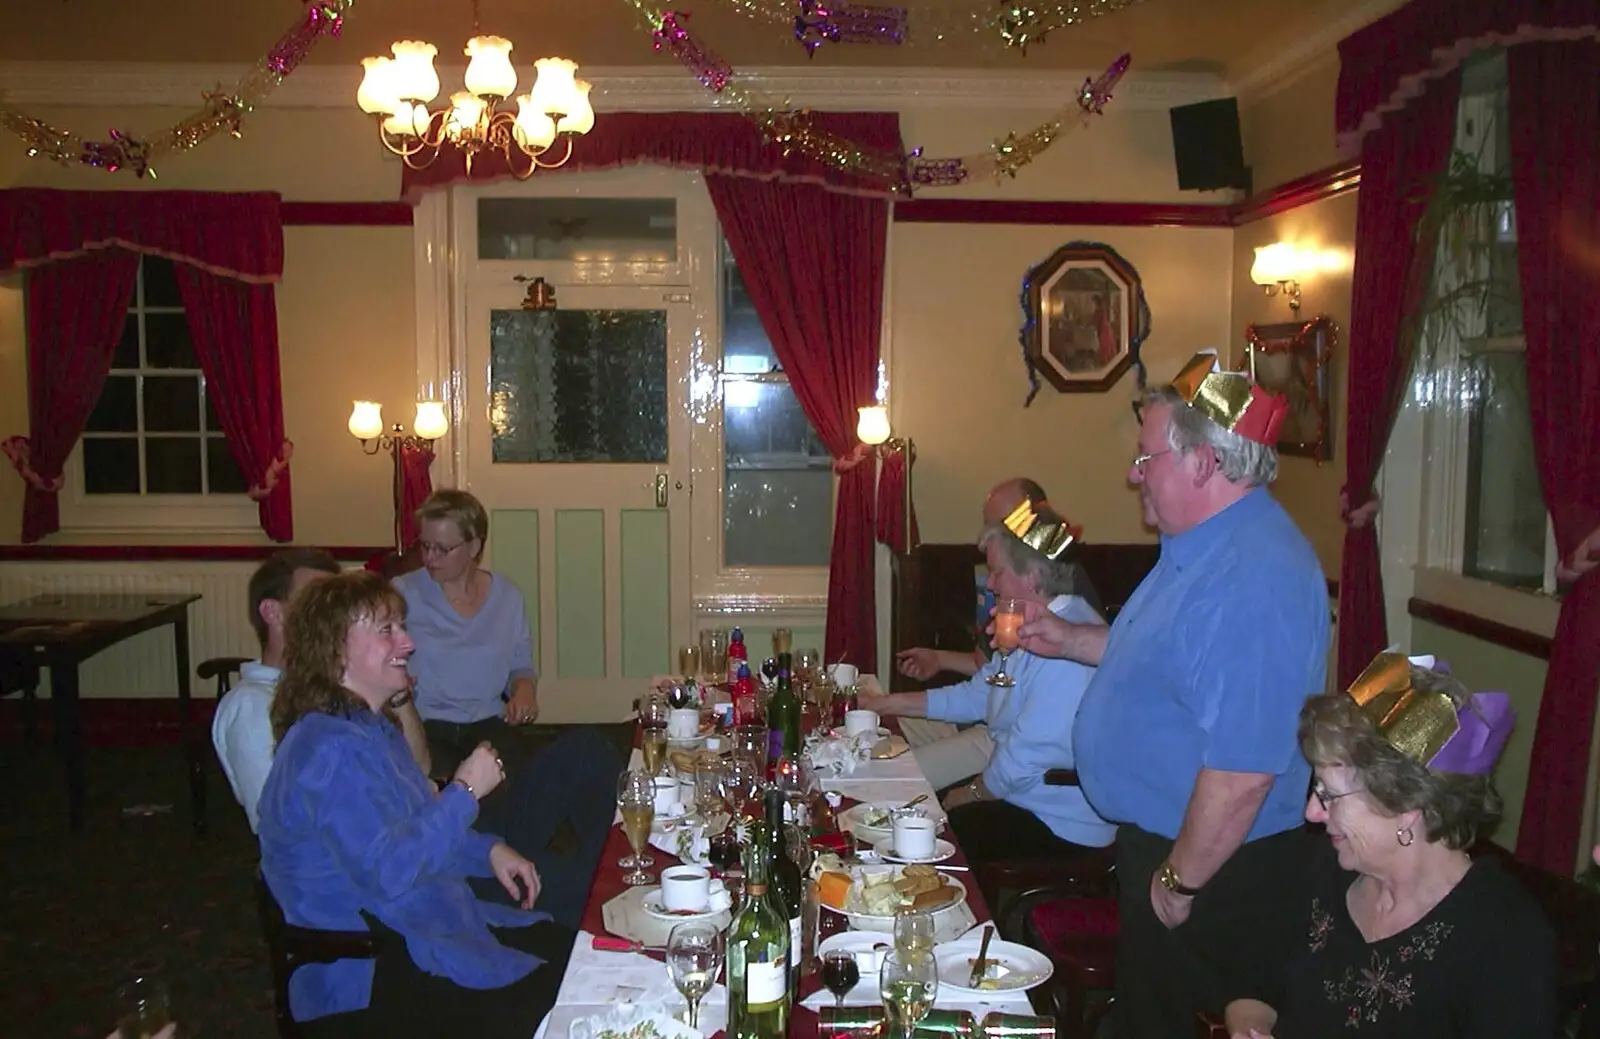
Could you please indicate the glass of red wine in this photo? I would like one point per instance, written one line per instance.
(725, 850)
(840, 973)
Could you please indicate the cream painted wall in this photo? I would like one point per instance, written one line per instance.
(1289, 133)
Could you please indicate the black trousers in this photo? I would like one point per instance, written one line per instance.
(407, 1001)
(1165, 977)
(998, 831)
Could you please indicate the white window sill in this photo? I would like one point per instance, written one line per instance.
(1532, 612)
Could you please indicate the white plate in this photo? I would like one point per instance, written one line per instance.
(651, 904)
(851, 819)
(1017, 967)
(885, 923)
(942, 849)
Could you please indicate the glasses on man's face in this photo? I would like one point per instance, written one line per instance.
(430, 549)
(1144, 460)
(1326, 799)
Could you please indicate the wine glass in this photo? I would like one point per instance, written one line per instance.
(714, 655)
(689, 662)
(709, 774)
(636, 796)
(840, 973)
(823, 692)
(913, 934)
(1007, 619)
(907, 986)
(143, 1008)
(694, 956)
(805, 664)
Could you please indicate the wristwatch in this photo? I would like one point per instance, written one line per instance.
(1172, 882)
(975, 790)
(400, 699)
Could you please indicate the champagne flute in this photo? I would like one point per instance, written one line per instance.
(823, 692)
(913, 934)
(636, 796)
(1007, 619)
(694, 957)
(653, 714)
(689, 662)
(907, 986)
(714, 655)
(143, 1008)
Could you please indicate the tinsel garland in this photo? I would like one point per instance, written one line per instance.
(223, 109)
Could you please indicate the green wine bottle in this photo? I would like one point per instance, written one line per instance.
(783, 717)
(784, 884)
(758, 958)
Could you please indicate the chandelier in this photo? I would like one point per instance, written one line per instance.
(397, 90)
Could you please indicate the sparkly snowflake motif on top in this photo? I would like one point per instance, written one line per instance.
(1383, 983)
(1321, 924)
(741, 831)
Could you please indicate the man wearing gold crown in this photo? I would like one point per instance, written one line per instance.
(1186, 735)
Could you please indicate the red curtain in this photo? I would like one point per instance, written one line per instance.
(75, 316)
(1398, 162)
(897, 523)
(234, 326)
(813, 261)
(716, 142)
(1555, 167)
(414, 487)
(1394, 60)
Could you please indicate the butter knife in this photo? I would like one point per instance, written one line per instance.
(983, 953)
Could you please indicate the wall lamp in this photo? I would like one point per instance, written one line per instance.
(872, 429)
(366, 425)
(1277, 269)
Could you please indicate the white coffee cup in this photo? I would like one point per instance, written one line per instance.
(666, 794)
(843, 674)
(914, 837)
(857, 723)
(683, 723)
(685, 887)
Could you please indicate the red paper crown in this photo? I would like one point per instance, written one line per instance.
(1230, 399)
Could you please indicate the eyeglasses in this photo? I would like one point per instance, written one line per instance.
(1143, 460)
(433, 548)
(1326, 799)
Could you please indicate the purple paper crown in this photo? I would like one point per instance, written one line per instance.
(1426, 726)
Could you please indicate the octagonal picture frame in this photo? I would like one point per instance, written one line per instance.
(1084, 318)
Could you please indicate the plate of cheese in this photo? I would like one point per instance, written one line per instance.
(872, 896)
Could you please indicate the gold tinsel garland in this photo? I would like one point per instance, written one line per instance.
(1014, 24)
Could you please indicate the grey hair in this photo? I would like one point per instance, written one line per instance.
(1052, 577)
(1241, 459)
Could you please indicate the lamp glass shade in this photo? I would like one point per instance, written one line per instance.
(555, 91)
(431, 423)
(533, 130)
(489, 73)
(408, 120)
(377, 91)
(366, 420)
(1273, 264)
(872, 425)
(414, 76)
(581, 119)
(466, 111)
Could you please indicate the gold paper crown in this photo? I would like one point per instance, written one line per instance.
(1418, 724)
(1042, 529)
(1230, 399)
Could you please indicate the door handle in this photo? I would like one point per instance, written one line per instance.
(661, 490)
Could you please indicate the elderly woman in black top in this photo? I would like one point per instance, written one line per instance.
(1404, 933)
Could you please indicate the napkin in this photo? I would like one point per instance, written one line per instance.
(835, 756)
(686, 840)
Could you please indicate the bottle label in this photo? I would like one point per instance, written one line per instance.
(766, 982)
(794, 939)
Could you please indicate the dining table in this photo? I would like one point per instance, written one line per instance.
(596, 980)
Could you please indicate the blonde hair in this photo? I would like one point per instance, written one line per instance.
(464, 510)
(319, 623)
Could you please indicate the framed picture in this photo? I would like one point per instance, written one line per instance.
(1084, 318)
(1294, 359)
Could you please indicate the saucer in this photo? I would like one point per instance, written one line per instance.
(651, 904)
(942, 849)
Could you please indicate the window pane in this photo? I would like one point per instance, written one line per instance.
(166, 342)
(127, 355)
(172, 403)
(778, 492)
(745, 346)
(578, 385)
(1506, 518)
(117, 410)
(110, 465)
(172, 465)
(222, 471)
(160, 283)
(618, 230)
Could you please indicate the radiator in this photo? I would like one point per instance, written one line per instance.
(143, 666)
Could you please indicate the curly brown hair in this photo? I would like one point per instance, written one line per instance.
(319, 622)
(1455, 808)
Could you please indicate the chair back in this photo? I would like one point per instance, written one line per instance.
(290, 947)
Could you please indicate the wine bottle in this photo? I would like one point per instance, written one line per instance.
(784, 886)
(758, 958)
(783, 717)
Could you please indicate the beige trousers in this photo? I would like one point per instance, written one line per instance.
(947, 754)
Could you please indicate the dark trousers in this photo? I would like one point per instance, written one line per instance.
(407, 1001)
(999, 831)
(449, 743)
(1165, 977)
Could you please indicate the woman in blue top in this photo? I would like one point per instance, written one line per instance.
(353, 835)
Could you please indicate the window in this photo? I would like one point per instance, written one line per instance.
(153, 441)
(777, 498)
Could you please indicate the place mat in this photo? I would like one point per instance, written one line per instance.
(596, 980)
(625, 917)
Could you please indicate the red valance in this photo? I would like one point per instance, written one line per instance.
(1390, 62)
(235, 236)
(715, 142)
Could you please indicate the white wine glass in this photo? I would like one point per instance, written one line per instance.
(143, 1008)
(636, 798)
(1007, 619)
(913, 933)
(907, 986)
(694, 958)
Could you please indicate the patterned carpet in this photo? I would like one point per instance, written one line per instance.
(134, 893)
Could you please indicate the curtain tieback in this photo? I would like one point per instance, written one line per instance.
(860, 454)
(1357, 517)
(279, 466)
(20, 452)
(1583, 559)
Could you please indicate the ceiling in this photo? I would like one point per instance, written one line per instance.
(1228, 38)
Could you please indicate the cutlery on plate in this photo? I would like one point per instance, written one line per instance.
(983, 954)
(954, 869)
(610, 943)
(914, 801)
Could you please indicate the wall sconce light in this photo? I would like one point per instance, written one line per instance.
(872, 429)
(366, 425)
(1277, 268)
(872, 424)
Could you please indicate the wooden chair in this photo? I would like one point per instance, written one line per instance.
(203, 757)
(223, 669)
(290, 947)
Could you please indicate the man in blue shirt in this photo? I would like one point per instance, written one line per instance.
(1187, 734)
(1007, 811)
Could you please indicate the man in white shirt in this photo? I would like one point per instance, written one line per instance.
(242, 727)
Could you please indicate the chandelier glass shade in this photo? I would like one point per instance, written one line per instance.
(398, 93)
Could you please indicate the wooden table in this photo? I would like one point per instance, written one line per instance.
(61, 631)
